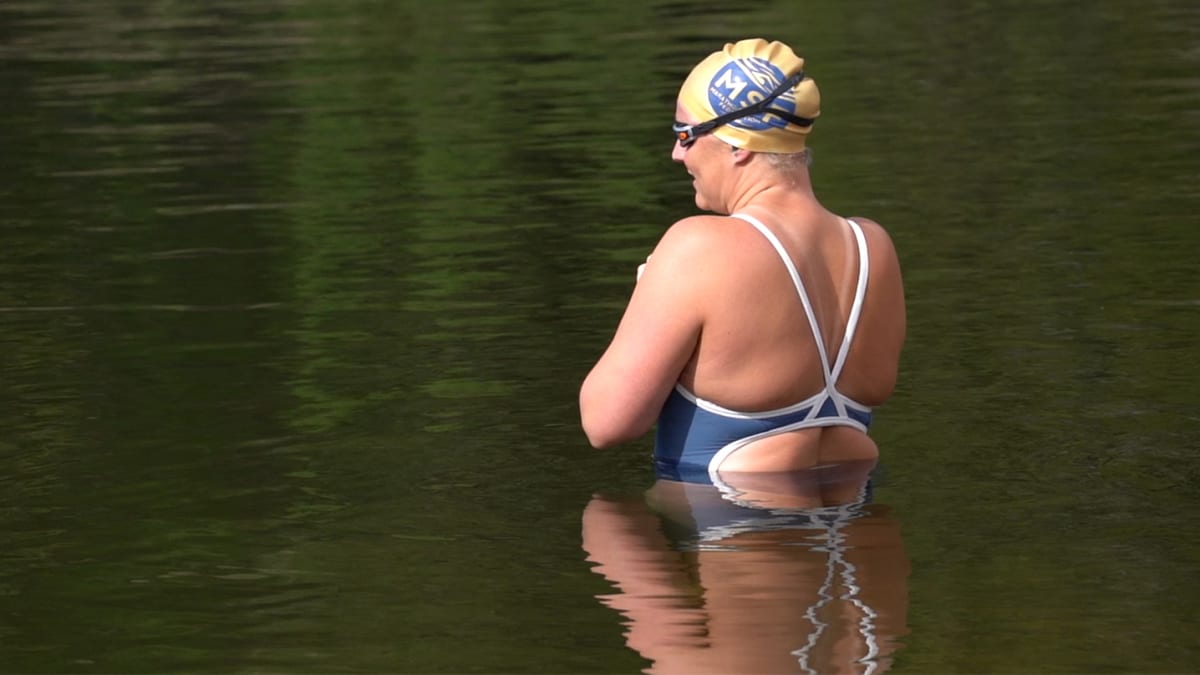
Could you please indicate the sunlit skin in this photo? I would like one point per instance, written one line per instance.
(716, 310)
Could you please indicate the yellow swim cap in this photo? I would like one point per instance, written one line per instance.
(742, 74)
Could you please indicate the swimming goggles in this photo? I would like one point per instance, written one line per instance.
(687, 134)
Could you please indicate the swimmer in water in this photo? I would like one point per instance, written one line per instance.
(760, 337)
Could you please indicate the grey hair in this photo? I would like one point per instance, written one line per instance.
(789, 161)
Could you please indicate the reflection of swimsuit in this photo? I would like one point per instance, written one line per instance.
(720, 512)
(694, 435)
(718, 516)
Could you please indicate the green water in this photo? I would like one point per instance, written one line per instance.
(296, 295)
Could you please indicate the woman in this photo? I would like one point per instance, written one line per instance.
(758, 338)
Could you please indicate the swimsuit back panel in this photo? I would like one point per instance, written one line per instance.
(694, 436)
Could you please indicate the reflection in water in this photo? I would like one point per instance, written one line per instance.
(784, 573)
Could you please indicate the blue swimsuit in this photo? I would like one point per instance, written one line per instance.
(694, 435)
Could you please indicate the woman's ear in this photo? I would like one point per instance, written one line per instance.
(740, 156)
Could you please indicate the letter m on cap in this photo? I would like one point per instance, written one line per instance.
(729, 81)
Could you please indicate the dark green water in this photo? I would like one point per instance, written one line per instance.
(296, 295)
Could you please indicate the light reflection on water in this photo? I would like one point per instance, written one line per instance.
(293, 311)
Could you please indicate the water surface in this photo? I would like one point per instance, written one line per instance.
(295, 298)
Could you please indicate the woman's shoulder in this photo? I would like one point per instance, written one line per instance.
(706, 234)
(700, 225)
(870, 227)
(879, 241)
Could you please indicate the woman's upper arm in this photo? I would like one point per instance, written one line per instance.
(623, 394)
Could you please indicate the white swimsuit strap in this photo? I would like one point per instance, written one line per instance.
(859, 295)
(791, 268)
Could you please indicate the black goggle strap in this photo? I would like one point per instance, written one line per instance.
(688, 135)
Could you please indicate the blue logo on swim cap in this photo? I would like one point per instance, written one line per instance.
(745, 82)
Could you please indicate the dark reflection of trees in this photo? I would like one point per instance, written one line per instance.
(137, 277)
(140, 193)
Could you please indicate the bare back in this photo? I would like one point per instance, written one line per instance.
(756, 350)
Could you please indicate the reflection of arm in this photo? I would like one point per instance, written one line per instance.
(624, 540)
